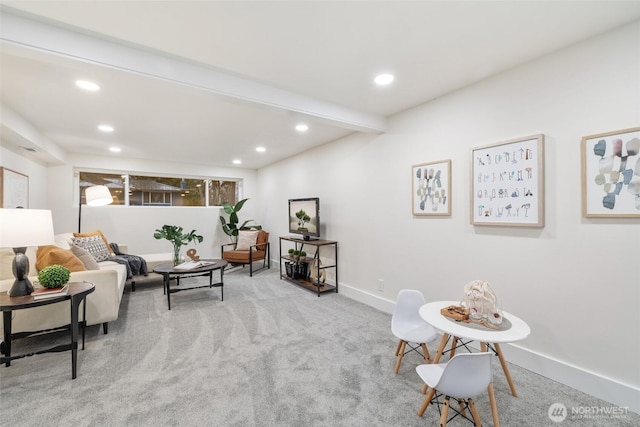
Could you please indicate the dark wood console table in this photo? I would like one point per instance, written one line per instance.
(77, 293)
(308, 282)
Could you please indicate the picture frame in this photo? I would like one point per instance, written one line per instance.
(14, 189)
(507, 183)
(431, 188)
(611, 174)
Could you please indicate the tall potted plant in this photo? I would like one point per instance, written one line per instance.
(230, 225)
(178, 238)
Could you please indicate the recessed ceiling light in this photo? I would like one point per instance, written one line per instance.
(105, 128)
(87, 85)
(302, 127)
(115, 149)
(261, 149)
(237, 162)
(383, 79)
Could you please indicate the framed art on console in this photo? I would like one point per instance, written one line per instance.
(611, 174)
(507, 183)
(431, 188)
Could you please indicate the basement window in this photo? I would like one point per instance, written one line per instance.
(142, 190)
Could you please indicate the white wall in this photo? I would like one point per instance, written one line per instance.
(575, 281)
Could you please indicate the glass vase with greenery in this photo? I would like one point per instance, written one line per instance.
(178, 238)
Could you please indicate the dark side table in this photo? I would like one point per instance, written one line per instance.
(77, 293)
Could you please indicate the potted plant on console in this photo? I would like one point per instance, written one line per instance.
(178, 238)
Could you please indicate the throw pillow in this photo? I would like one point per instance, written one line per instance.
(51, 254)
(94, 245)
(86, 258)
(95, 233)
(246, 239)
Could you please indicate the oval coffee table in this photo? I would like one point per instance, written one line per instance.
(169, 272)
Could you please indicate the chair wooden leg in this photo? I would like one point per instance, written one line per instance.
(474, 413)
(445, 412)
(424, 389)
(463, 410)
(400, 355)
(426, 402)
(398, 348)
(425, 352)
(494, 406)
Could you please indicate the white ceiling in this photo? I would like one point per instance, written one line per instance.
(208, 81)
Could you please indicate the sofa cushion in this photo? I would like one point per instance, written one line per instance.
(246, 239)
(85, 257)
(94, 245)
(95, 233)
(63, 240)
(51, 254)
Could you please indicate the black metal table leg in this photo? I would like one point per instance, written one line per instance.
(6, 318)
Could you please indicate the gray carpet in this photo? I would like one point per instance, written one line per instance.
(271, 354)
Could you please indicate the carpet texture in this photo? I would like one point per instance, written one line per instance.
(270, 354)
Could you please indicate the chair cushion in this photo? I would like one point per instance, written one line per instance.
(246, 239)
(242, 257)
(51, 254)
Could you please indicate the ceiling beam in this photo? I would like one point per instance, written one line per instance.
(20, 30)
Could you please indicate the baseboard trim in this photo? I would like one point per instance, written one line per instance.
(607, 389)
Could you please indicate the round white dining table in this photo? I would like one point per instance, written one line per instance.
(513, 329)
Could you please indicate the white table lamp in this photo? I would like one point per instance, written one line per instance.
(20, 228)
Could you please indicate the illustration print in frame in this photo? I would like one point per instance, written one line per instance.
(14, 189)
(611, 174)
(507, 183)
(431, 188)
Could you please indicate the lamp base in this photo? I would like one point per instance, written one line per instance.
(20, 288)
(22, 285)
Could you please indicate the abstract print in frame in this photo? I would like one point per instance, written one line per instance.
(431, 188)
(611, 174)
(507, 183)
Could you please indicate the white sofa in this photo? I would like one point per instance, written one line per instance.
(102, 305)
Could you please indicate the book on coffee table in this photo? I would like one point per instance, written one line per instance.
(42, 293)
(190, 265)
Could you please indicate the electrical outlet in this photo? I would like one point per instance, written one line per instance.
(381, 285)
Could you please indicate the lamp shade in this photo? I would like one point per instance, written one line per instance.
(98, 195)
(25, 227)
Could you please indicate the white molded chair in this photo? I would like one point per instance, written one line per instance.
(464, 377)
(409, 327)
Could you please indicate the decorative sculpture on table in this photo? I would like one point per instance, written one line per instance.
(482, 302)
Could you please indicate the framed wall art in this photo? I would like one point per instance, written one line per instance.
(431, 188)
(611, 174)
(14, 189)
(507, 183)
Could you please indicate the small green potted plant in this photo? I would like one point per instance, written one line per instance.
(178, 238)
(53, 276)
